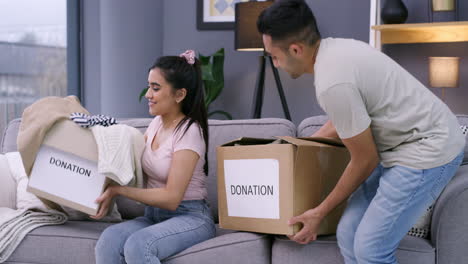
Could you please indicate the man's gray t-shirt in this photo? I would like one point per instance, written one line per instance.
(358, 86)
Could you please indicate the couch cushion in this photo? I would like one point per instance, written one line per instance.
(72, 242)
(449, 226)
(325, 251)
(310, 125)
(236, 247)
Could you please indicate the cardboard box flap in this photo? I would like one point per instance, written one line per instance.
(66, 135)
(325, 140)
(312, 141)
(246, 141)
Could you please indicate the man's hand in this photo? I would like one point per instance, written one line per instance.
(104, 200)
(310, 220)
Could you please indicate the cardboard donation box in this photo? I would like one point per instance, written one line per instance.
(262, 183)
(65, 170)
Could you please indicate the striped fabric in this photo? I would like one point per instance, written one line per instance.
(86, 121)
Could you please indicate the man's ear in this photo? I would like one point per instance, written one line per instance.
(296, 49)
(180, 95)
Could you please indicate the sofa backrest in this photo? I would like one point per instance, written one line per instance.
(309, 125)
(220, 131)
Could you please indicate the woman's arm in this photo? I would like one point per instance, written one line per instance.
(181, 171)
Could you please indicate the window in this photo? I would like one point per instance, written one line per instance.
(33, 53)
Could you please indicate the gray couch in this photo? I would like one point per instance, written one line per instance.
(74, 241)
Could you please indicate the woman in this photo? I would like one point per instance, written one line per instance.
(177, 215)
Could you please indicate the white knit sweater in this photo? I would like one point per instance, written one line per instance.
(120, 148)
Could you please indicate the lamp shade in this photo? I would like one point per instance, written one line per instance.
(443, 5)
(247, 37)
(443, 71)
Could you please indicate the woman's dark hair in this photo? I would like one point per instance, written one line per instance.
(180, 74)
(287, 21)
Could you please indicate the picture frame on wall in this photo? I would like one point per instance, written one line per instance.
(216, 14)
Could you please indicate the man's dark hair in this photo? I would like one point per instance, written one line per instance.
(288, 21)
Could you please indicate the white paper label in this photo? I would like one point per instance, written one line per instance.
(68, 176)
(252, 188)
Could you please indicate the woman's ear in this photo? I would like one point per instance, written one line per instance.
(180, 95)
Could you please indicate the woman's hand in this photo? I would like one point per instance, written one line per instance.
(310, 220)
(104, 200)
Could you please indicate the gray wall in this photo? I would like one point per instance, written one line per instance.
(349, 19)
(122, 38)
(415, 57)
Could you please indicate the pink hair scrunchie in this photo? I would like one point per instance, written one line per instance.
(189, 55)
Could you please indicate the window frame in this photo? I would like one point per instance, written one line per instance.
(74, 46)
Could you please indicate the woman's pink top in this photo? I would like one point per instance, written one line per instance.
(156, 164)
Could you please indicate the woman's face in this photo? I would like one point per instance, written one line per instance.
(161, 98)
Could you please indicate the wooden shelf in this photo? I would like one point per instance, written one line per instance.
(423, 32)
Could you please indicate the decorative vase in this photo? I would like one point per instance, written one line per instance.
(394, 12)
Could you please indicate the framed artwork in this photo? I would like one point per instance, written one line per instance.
(216, 14)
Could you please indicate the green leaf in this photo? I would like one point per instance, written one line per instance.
(220, 112)
(204, 60)
(207, 72)
(218, 74)
(142, 93)
(214, 89)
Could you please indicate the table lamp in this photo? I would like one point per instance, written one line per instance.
(247, 38)
(444, 73)
(443, 6)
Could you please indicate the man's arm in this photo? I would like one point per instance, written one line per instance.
(327, 130)
(364, 159)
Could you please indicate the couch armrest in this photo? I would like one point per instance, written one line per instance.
(449, 230)
(8, 143)
(310, 125)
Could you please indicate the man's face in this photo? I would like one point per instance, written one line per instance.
(283, 59)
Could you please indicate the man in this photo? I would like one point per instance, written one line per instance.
(405, 143)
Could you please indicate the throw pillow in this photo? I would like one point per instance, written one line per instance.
(24, 199)
(422, 227)
(8, 185)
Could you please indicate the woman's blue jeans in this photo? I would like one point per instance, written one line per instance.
(156, 235)
(382, 210)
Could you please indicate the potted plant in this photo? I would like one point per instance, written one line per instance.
(212, 68)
